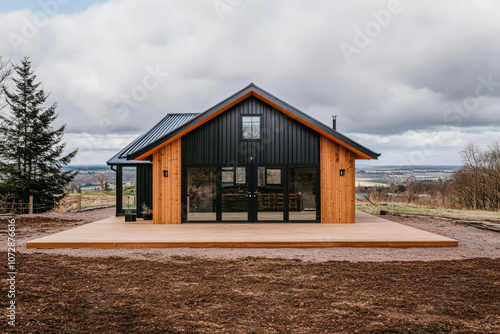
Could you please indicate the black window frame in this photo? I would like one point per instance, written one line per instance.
(252, 184)
(260, 127)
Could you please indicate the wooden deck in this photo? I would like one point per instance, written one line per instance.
(369, 231)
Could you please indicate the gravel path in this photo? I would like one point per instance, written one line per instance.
(474, 243)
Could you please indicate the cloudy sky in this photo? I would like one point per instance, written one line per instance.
(413, 80)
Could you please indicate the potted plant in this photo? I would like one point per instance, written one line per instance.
(130, 216)
(147, 213)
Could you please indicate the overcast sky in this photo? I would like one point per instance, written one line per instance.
(413, 80)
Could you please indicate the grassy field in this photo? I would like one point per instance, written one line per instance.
(95, 198)
(429, 211)
(89, 199)
(370, 183)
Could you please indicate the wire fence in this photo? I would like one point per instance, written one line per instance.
(20, 207)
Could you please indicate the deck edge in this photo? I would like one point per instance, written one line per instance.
(333, 244)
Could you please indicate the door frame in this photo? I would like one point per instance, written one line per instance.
(255, 199)
(252, 186)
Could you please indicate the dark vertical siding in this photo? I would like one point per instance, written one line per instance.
(284, 140)
(144, 187)
(119, 190)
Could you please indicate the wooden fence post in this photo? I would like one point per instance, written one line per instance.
(79, 205)
(393, 200)
(31, 205)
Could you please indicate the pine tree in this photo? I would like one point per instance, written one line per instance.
(31, 150)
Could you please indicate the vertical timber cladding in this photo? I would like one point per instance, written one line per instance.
(337, 192)
(167, 190)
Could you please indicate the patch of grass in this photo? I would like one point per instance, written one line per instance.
(130, 190)
(378, 181)
(429, 210)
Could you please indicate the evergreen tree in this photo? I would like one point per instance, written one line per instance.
(31, 150)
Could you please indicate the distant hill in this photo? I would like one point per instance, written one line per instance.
(87, 167)
(409, 167)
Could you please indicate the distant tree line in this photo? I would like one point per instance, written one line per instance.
(477, 182)
(476, 185)
(434, 193)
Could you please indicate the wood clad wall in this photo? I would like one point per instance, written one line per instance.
(167, 190)
(337, 192)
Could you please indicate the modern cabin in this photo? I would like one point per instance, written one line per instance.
(250, 158)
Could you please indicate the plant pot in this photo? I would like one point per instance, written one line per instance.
(147, 216)
(130, 218)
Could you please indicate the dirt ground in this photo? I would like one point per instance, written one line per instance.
(473, 243)
(345, 290)
(63, 294)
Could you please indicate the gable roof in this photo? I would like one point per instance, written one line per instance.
(150, 143)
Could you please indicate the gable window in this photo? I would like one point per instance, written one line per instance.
(250, 127)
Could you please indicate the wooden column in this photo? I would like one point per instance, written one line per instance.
(338, 202)
(79, 203)
(167, 189)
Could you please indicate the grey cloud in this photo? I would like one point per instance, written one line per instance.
(423, 63)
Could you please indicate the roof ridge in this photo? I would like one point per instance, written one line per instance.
(183, 113)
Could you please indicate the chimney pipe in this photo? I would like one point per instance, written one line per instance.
(334, 122)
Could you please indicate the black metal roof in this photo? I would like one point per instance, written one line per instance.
(174, 124)
(168, 124)
(253, 88)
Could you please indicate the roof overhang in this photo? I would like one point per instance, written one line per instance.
(252, 90)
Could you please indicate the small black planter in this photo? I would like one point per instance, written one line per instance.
(147, 216)
(130, 217)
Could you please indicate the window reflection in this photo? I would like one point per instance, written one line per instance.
(250, 127)
(201, 194)
(302, 194)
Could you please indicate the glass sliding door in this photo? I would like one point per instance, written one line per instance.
(270, 193)
(201, 196)
(234, 189)
(251, 193)
(302, 193)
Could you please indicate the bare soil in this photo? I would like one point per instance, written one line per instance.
(473, 243)
(64, 294)
(415, 290)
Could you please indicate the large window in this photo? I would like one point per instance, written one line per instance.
(251, 193)
(129, 186)
(302, 193)
(250, 127)
(201, 194)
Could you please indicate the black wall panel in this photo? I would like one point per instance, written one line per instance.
(144, 187)
(284, 140)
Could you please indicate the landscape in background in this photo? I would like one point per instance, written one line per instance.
(424, 190)
(371, 176)
(367, 178)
